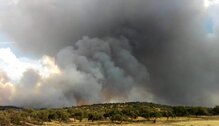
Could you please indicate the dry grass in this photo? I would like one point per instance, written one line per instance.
(185, 121)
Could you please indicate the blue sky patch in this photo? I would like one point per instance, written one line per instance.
(208, 25)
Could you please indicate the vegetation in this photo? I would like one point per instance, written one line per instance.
(114, 112)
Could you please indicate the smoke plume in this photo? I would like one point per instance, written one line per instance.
(117, 50)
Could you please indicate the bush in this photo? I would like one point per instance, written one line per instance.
(201, 111)
(215, 110)
(130, 113)
(180, 111)
(52, 115)
(95, 116)
(63, 116)
(4, 119)
(167, 114)
(17, 119)
(117, 117)
(78, 114)
(43, 115)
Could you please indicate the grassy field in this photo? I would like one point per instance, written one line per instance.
(185, 121)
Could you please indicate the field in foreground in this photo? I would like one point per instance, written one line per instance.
(180, 121)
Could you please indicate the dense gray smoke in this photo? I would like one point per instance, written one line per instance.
(115, 50)
(95, 70)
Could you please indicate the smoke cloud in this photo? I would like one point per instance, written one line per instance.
(101, 51)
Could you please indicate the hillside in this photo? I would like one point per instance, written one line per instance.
(113, 112)
(9, 107)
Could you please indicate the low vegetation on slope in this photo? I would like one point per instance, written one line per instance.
(114, 112)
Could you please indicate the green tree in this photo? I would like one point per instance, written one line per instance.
(167, 114)
(117, 117)
(95, 116)
(215, 110)
(180, 111)
(63, 116)
(129, 112)
(78, 114)
(202, 111)
(155, 115)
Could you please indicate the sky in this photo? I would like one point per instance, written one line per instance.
(56, 53)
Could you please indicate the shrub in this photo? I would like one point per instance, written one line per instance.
(17, 119)
(95, 116)
(4, 119)
(63, 116)
(216, 110)
(117, 117)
